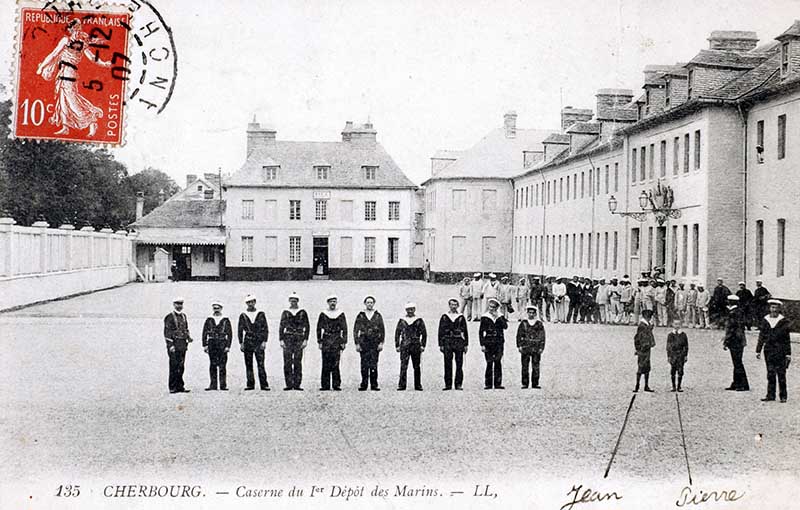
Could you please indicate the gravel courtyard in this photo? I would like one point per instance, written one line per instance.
(85, 392)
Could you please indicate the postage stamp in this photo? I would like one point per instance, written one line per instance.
(71, 73)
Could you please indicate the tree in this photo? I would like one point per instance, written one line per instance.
(61, 182)
(156, 185)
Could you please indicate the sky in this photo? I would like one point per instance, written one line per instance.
(428, 75)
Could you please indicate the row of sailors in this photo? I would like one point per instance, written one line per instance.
(368, 336)
(615, 302)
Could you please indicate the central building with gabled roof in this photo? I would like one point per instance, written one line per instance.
(301, 210)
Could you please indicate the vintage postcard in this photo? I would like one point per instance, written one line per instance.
(379, 254)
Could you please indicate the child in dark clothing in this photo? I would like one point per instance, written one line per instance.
(677, 352)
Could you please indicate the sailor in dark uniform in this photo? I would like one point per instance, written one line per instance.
(368, 335)
(293, 336)
(735, 342)
(410, 338)
(492, 338)
(773, 339)
(253, 333)
(177, 338)
(331, 338)
(643, 342)
(217, 337)
(453, 341)
(530, 342)
(761, 297)
(677, 353)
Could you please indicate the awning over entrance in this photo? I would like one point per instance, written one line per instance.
(190, 237)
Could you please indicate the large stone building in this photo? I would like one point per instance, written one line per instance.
(316, 209)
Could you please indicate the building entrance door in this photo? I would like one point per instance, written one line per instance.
(320, 256)
(661, 249)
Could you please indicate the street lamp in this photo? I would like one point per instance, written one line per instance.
(644, 200)
(658, 203)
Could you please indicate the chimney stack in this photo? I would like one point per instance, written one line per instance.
(139, 205)
(360, 134)
(570, 116)
(732, 40)
(510, 124)
(258, 136)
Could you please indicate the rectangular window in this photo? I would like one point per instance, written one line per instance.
(370, 172)
(650, 248)
(271, 249)
(247, 249)
(294, 249)
(489, 199)
(580, 252)
(697, 150)
(781, 247)
(548, 193)
(760, 247)
(643, 164)
(271, 210)
(488, 250)
(393, 250)
(209, 254)
(652, 161)
(559, 250)
(591, 182)
(575, 185)
(689, 83)
(634, 161)
(781, 136)
(526, 196)
(760, 141)
(370, 210)
(536, 195)
(686, 149)
(248, 207)
(346, 210)
(294, 209)
(535, 247)
(784, 58)
(561, 189)
(394, 211)
(553, 250)
(322, 172)
(597, 251)
(369, 250)
(674, 250)
(663, 161)
(605, 250)
(568, 187)
(607, 179)
(320, 210)
(635, 242)
(685, 251)
(695, 249)
(574, 237)
(597, 182)
(346, 250)
(616, 249)
(676, 155)
(270, 172)
(590, 251)
(616, 177)
(583, 184)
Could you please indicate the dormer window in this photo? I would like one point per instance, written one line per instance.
(785, 58)
(370, 172)
(199, 187)
(667, 90)
(270, 172)
(690, 82)
(322, 172)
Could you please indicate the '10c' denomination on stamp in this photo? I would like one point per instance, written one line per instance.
(72, 69)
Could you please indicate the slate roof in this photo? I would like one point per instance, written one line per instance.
(584, 128)
(792, 31)
(619, 113)
(495, 156)
(298, 159)
(557, 138)
(758, 76)
(731, 59)
(184, 214)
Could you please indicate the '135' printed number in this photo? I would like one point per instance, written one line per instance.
(68, 491)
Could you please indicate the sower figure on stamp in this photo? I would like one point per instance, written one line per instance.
(177, 338)
(331, 338)
(677, 353)
(530, 342)
(253, 333)
(643, 342)
(492, 338)
(293, 336)
(735, 342)
(217, 338)
(368, 335)
(453, 341)
(410, 338)
(773, 339)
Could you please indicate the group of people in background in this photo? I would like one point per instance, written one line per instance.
(368, 334)
(614, 301)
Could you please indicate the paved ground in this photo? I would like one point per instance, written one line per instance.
(84, 392)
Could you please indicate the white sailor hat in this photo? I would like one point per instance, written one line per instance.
(369, 296)
(719, 279)
(492, 276)
(775, 302)
(759, 280)
(531, 307)
(410, 304)
(733, 297)
(476, 275)
(331, 296)
(742, 283)
(249, 297)
(493, 300)
(216, 303)
(504, 278)
(453, 298)
(294, 295)
(177, 299)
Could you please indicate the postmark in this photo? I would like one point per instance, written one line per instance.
(71, 73)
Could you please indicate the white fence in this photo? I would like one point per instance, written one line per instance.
(39, 263)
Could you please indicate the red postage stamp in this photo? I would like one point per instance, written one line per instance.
(72, 68)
